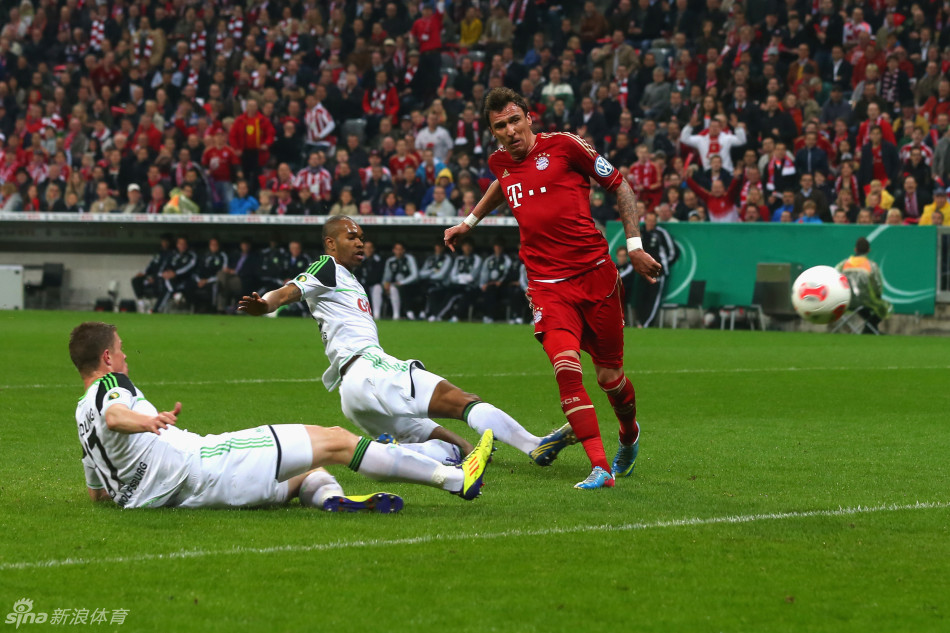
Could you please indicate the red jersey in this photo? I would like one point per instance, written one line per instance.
(428, 32)
(865, 129)
(642, 175)
(318, 181)
(549, 193)
(397, 165)
(643, 178)
(219, 162)
(251, 132)
(879, 172)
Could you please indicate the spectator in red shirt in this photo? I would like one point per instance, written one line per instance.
(427, 34)
(879, 159)
(720, 201)
(221, 161)
(251, 134)
(149, 135)
(380, 102)
(107, 74)
(938, 103)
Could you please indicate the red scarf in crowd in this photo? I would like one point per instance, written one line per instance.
(410, 73)
(236, 27)
(97, 33)
(199, 42)
(180, 170)
(461, 139)
(143, 47)
(516, 16)
(851, 183)
(377, 100)
(786, 166)
(399, 59)
(291, 47)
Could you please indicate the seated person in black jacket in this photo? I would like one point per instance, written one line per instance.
(177, 274)
(240, 277)
(147, 284)
(202, 290)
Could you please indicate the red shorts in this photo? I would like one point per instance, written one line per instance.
(589, 307)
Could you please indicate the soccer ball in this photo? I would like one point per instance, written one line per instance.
(821, 295)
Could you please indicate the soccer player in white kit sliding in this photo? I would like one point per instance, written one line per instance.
(133, 454)
(379, 393)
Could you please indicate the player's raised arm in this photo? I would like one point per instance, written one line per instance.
(121, 419)
(492, 199)
(257, 305)
(642, 262)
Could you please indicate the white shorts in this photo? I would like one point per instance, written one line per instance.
(246, 468)
(381, 394)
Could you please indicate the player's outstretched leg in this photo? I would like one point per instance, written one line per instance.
(552, 444)
(439, 450)
(392, 462)
(623, 399)
(449, 401)
(320, 489)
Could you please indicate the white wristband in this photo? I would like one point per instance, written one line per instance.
(634, 244)
(471, 220)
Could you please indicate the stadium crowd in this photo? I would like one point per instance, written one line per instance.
(715, 110)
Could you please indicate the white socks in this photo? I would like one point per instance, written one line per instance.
(439, 450)
(482, 416)
(317, 487)
(392, 462)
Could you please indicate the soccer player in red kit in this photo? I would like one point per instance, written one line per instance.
(574, 287)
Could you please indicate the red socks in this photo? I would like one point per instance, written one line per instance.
(578, 409)
(624, 401)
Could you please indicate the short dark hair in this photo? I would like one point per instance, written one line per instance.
(87, 341)
(331, 226)
(498, 98)
(862, 246)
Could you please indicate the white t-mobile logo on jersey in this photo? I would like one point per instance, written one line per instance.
(515, 195)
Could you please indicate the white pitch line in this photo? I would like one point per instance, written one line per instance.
(435, 538)
(632, 372)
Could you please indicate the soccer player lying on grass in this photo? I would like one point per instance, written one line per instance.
(384, 395)
(135, 455)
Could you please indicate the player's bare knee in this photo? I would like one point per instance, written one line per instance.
(607, 376)
(334, 442)
(468, 398)
(448, 401)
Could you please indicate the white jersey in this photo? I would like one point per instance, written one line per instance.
(136, 469)
(341, 308)
(719, 146)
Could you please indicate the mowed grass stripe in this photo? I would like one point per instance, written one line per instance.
(516, 533)
(632, 371)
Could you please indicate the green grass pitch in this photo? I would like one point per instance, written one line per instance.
(786, 482)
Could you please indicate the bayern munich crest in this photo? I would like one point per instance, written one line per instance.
(542, 162)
